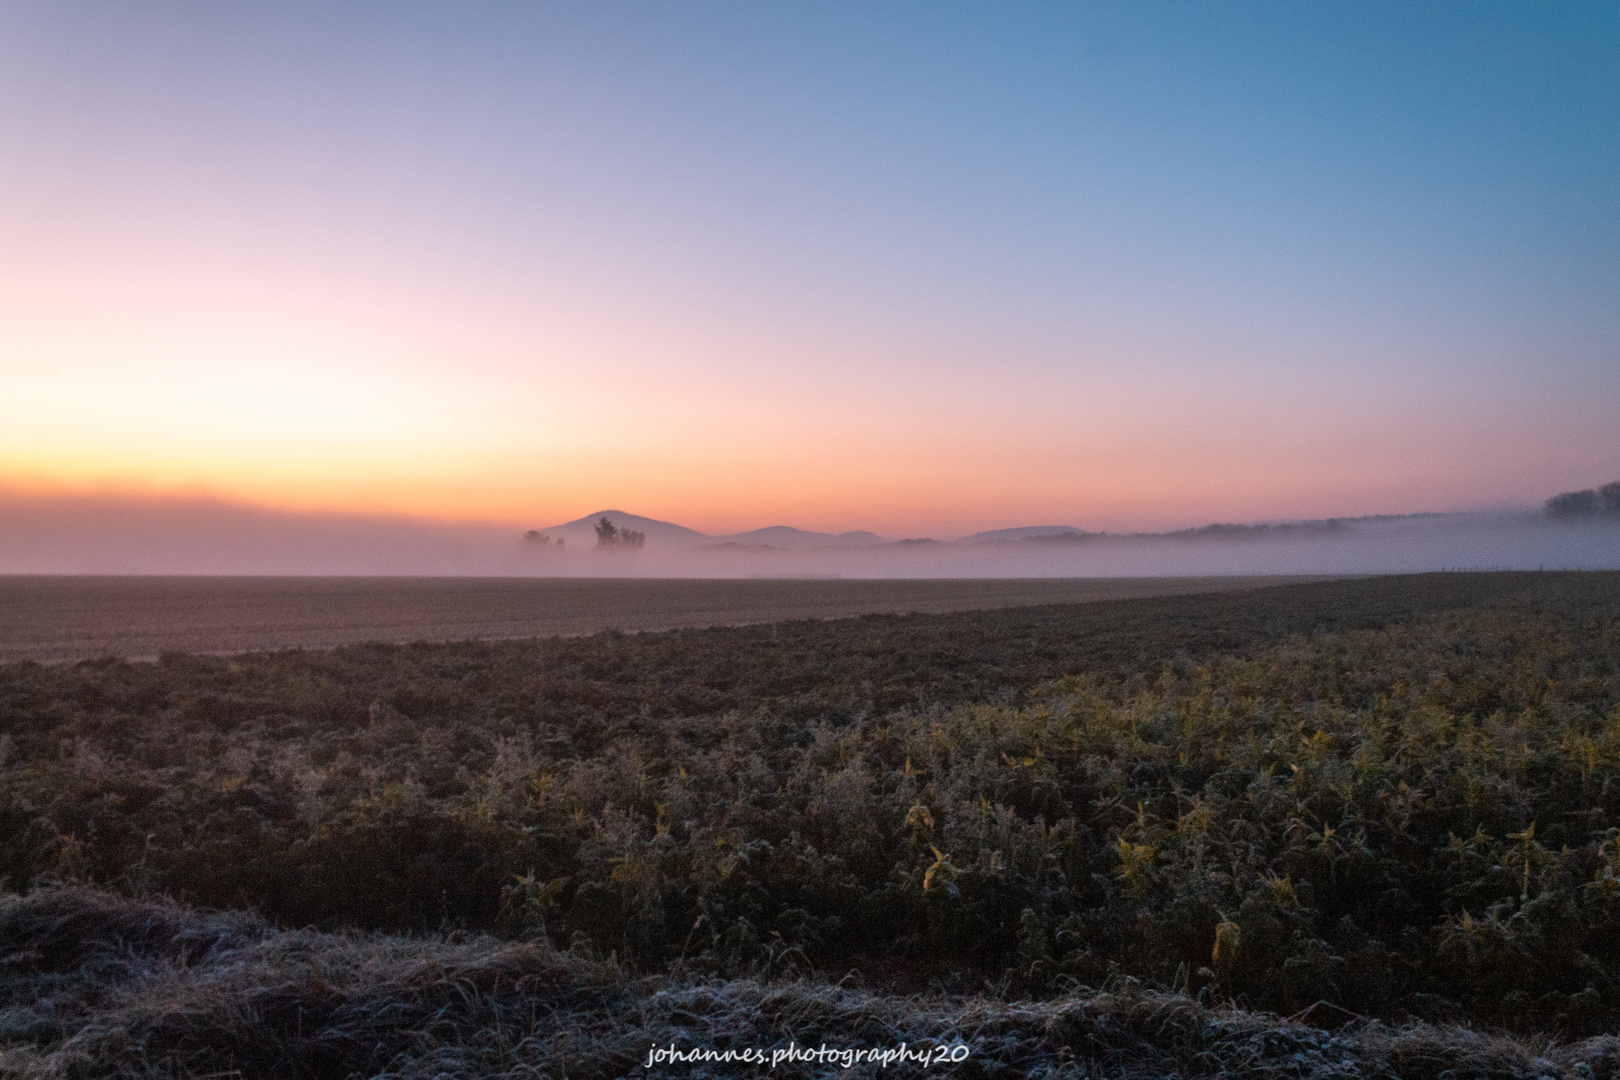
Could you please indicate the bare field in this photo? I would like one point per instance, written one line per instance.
(64, 619)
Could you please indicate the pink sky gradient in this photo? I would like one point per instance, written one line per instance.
(917, 272)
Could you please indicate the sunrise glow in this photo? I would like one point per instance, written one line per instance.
(912, 269)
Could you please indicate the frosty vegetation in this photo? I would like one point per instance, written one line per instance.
(1386, 801)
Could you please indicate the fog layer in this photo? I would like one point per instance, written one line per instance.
(123, 535)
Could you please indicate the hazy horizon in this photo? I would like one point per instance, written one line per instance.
(123, 536)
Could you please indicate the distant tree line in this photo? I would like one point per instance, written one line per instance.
(609, 537)
(1603, 500)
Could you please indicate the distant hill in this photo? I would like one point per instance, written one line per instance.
(1217, 531)
(581, 533)
(1027, 532)
(785, 536)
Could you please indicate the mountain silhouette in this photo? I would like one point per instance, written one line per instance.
(785, 536)
(581, 533)
(1024, 533)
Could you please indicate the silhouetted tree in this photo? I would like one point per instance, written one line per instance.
(609, 537)
(1573, 503)
(1610, 493)
(537, 538)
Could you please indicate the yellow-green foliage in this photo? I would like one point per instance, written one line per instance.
(1401, 816)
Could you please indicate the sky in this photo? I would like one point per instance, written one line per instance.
(920, 268)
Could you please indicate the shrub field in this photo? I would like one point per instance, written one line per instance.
(1389, 806)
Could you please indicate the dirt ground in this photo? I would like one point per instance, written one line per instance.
(63, 619)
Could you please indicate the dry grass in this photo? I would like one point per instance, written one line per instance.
(1390, 794)
(99, 986)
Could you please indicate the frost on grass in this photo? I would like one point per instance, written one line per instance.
(1381, 804)
(97, 985)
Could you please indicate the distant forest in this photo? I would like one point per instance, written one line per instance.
(1603, 500)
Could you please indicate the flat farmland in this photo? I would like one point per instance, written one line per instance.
(1151, 836)
(1172, 835)
(65, 619)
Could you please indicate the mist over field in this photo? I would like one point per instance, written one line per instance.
(126, 535)
(555, 539)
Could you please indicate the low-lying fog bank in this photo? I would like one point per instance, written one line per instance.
(130, 536)
(1381, 546)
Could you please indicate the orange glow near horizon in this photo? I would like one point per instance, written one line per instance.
(926, 278)
(545, 425)
(541, 426)
(281, 399)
